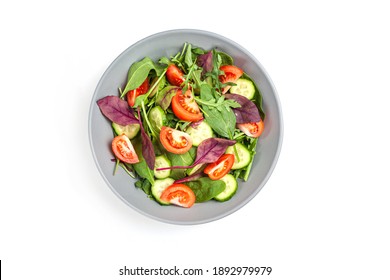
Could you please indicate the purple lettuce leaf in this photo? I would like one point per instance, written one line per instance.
(165, 96)
(210, 150)
(190, 178)
(147, 146)
(248, 112)
(117, 110)
(206, 62)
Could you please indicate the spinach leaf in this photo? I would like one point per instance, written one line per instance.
(139, 71)
(183, 160)
(206, 189)
(225, 58)
(142, 168)
(146, 186)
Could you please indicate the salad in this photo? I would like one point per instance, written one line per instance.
(186, 127)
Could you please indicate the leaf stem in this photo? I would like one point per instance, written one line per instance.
(146, 119)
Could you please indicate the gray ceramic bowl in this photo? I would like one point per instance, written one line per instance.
(100, 133)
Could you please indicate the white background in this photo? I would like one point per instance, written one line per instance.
(324, 213)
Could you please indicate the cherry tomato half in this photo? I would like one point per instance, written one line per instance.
(132, 94)
(220, 168)
(252, 129)
(175, 141)
(174, 75)
(185, 107)
(123, 149)
(179, 194)
(232, 74)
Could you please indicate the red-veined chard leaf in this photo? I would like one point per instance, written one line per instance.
(210, 150)
(190, 178)
(206, 62)
(117, 110)
(147, 146)
(248, 112)
(165, 96)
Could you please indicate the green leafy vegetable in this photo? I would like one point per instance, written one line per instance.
(218, 113)
(181, 160)
(139, 71)
(206, 189)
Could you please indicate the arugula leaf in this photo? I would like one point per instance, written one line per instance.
(188, 56)
(222, 120)
(218, 114)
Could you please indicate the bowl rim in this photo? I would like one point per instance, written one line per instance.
(280, 115)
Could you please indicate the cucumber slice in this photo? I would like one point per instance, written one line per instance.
(244, 155)
(230, 189)
(200, 132)
(157, 118)
(244, 87)
(162, 161)
(130, 130)
(159, 186)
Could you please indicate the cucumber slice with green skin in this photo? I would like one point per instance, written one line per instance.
(162, 161)
(157, 118)
(244, 155)
(130, 130)
(230, 189)
(159, 186)
(244, 87)
(200, 132)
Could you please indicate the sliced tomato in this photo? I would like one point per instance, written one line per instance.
(220, 168)
(252, 129)
(232, 74)
(132, 94)
(174, 75)
(175, 141)
(123, 149)
(185, 107)
(179, 194)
